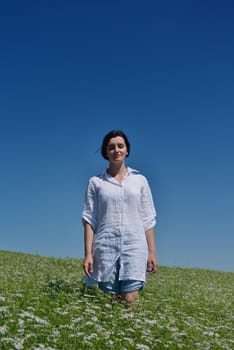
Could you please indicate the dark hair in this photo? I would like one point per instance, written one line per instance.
(110, 135)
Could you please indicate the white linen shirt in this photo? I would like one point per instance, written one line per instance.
(120, 214)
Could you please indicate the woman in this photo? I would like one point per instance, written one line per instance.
(119, 219)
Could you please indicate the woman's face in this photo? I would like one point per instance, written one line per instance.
(116, 149)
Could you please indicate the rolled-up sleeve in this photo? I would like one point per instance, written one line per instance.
(147, 206)
(89, 213)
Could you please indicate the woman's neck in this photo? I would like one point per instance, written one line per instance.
(117, 169)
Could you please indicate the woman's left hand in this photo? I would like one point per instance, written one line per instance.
(152, 263)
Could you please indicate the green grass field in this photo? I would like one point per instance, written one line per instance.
(44, 305)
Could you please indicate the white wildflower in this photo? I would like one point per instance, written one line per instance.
(4, 309)
(128, 315)
(66, 326)
(2, 298)
(63, 313)
(3, 330)
(142, 347)
(179, 334)
(72, 336)
(21, 323)
(90, 311)
(173, 329)
(30, 308)
(42, 347)
(210, 334)
(18, 295)
(18, 344)
(91, 336)
(96, 307)
(76, 320)
(150, 321)
(39, 320)
(55, 333)
(99, 328)
(130, 340)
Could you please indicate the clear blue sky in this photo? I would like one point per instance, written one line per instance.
(163, 72)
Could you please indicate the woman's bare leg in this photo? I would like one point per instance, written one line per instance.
(130, 297)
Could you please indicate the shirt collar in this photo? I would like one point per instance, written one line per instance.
(105, 175)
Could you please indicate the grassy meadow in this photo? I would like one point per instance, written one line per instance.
(45, 306)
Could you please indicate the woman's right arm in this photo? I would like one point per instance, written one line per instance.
(88, 243)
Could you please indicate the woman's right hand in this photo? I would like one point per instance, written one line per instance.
(88, 265)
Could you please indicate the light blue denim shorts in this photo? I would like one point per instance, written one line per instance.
(115, 286)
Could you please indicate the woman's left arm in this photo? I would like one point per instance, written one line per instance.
(152, 262)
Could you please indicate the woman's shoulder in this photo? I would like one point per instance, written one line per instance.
(138, 176)
(94, 179)
(136, 172)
